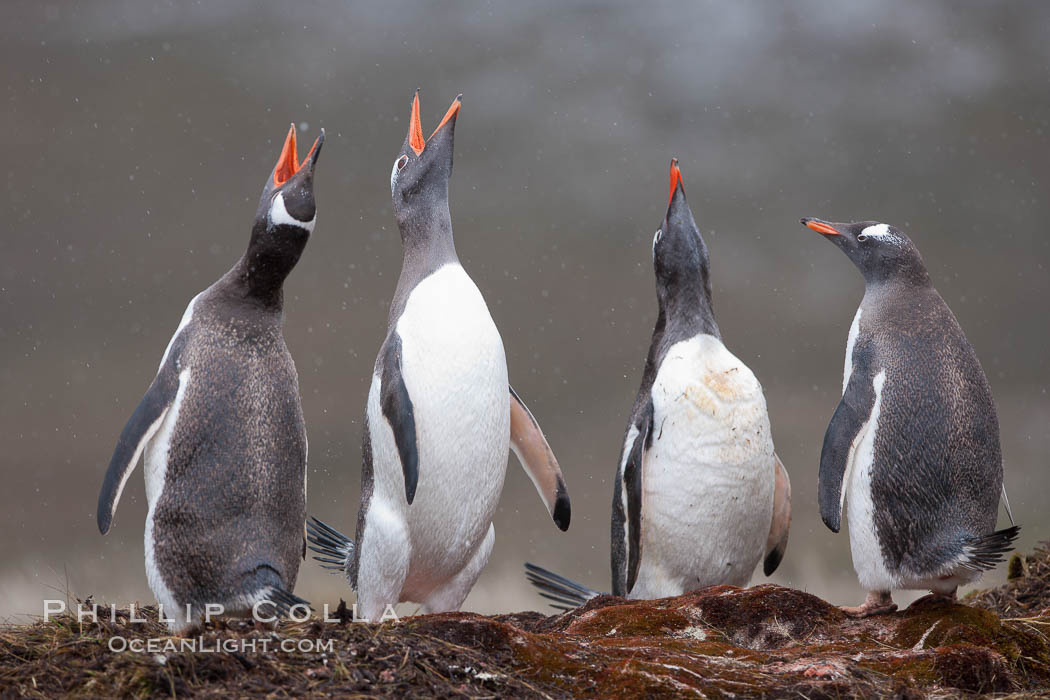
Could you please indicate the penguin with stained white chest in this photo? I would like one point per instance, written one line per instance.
(221, 429)
(700, 496)
(912, 450)
(441, 415)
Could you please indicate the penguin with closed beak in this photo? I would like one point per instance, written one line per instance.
(912, 450)
(441, 414)
(700, 496)
(222, 433)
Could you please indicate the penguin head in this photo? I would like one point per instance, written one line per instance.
(679, 254)
(286, 208)
(421, 172)
(881, 252)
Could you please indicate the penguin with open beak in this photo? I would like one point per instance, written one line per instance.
(912, 450)
(222, 432)
(441, 415)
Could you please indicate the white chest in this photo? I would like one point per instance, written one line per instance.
(851, 344)
(455, 371)
(708, 480)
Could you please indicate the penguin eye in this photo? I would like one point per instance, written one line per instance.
(402, 162)
(656, 239)
(862, 237)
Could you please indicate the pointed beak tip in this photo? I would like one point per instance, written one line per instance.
(315, 150)
(676, 181)
(821, 227)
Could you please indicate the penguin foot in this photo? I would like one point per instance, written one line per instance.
(877, 603)
(936, 597)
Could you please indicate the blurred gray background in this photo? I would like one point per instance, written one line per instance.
(136, 138)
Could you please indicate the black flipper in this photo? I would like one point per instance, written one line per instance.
(142, 425)
(627, 504)
(336, 549)
(565, 593)
(852, 413)
(983, 553)
(396, 405)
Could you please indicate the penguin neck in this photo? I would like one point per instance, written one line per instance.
(907, 270)
(427, 242)
(907, 278)
(260, 273)
(686, 314)
(675, 322)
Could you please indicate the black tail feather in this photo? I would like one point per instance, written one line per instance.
(283, 601)
(565, 593)
(335, 548)
(985, 552)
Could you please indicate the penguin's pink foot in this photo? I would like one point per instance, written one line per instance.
(877, 603)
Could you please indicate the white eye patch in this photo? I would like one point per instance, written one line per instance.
(398, 165)
(883, 233)
(279, 215)
(656, 239)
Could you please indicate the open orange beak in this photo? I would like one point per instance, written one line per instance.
(676, 180)
(415, 127)
(820, 226)
(288, 164)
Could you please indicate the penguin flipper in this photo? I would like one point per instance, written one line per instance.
(335, 548)
(850, 417)
(142, 426)
(629, 489)
(396, 405)
(565, 593)
(777, 541)
(531, 448)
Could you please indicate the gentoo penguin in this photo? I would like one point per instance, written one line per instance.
(441, 415)
(913, 446)
(700, 496)
(222, 429)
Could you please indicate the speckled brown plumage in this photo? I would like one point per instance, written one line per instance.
(230, 518)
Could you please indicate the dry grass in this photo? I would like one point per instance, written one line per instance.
(1027, 590)
(64, 657)
(765, 641)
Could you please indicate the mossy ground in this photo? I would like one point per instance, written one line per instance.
(766, 641)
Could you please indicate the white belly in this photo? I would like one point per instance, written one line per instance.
(708, 479)
(860, 509)
(455, 371)
(155, 465)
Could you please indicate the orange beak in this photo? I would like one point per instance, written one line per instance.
(288, 164)
(676, 180)
(821, 227)
(415, 127)
(453, 110)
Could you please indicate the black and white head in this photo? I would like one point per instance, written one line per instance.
(287, 213)
(420, 176)
(881, 252)
(679, 254)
